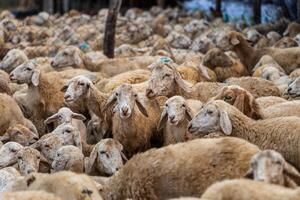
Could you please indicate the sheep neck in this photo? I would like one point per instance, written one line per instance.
(96, 101)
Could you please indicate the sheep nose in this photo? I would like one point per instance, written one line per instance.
(172, 117)
(149, 92)
(124, 110)
(52, 63)
(67, 96)
(190, 127)
(289, 89)
(35, 138)
(11, 76)
(117, 169)
(30, 171)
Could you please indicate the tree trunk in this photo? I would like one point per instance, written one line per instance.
(110, 28)
(48, 6)
(257, 11)
(298, 10)
(161, 3)
(218, 8)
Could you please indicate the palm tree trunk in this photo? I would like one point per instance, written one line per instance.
(257, 11)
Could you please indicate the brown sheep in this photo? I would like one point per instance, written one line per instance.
(183, 169)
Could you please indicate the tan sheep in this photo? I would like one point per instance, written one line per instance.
(166, 81)
(269, 166)
(106, 158)
(28, 195)
(241, 189)
(279, 133)
(134, 120)
(69, 158)
(223, 65)
(65, 185)
(286, 42)
(175, 117)
(286, 58)
(43, 97)
(265, 102)
(265, 61)
(246, 103)
(183, 169)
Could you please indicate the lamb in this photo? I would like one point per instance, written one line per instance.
(175, 117)
(43, 97)
(176, 170)
(279, 133)
(28, 195)
(269, 166)
(65, 185)
(286, 58)
(19, 134)
(248, 190)
(106, 158)
(246, 103)
(12, 115)
(223, 65)
(134, 120)
(68, 158)
(72, 56)
(164, 75)
(7, 177)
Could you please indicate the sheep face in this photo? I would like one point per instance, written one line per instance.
(253, 35)
(64, 115)
(210, 119)
(67, 57)
(28, 160)
(13, 59)
(228, 41)
(270, 166)
(178, 40)
(107, 154)
(176, 111)
(68, 134)
(78, 87)
(230, 94)
(26, 73)
(8, 153)
(125, 98)
(19, 134)
(216, 58)
(297, 39)
(48, 145)
(271, 73)
(293, 89)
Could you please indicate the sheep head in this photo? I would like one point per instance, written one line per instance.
(271, 73)
(68, 158)
(107, 155)
(12, 59)
(8, 153)
(69, 135)
(293, 89)
(70, 56)
(19, 134)
(165, 79)
(176, 110)
(241, 99)
(78, 87)
(211, 118)
(125, 98)
(270, 166)
(64, 115)
(252, 35)
(216, 58)
(27, 72)
(230, 40)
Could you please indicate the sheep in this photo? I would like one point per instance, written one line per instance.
(286, 58)
(273, 37)
(247, 190)
(265, 102)
(286, 42)
(5, 86)
(223, 65)
(279, 133)
(265, 61)
(72, 56)
(8, 153)
(257, 40)
(269, 166)
(134, 120)
(176, 170)
(43, 97)
(12, 115)
(12, 59)
(7, 177)
(175, 117)
(65, 185)
(106, 158)
(292, 30)
(19, 134)
(164, 75)
(68, 158)
(28, 195)
(292, 90)
(294, 74)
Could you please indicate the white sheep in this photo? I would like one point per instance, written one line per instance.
(175, 117)
(7, 177)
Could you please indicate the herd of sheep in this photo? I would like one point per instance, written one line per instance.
(187, 108)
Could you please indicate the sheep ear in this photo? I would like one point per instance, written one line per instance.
(225, 123)
(78, 116)
(163, 119)
(35, 79)
(125, 159)
(180, 82)
(141, 107)
(64, 88)
(291, 170)
(4, 138)
(51, 119)
(92, 159)
(234, 41)
(203, 71)
(239, 102)
(188, 113)
(249, 174)
(290, 183)
(110, 101)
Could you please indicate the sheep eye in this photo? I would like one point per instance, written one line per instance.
(209, 112)
(166, 75)
(102, 152)
(135, 95)
(67, 131)
(117, 94)
(13, 150)
(38, 157)
(183, 105)
(19, 158)
(227, 97)
(47, 146)
(79, 83)
(28, 69)
(167, 105)
(64, 54)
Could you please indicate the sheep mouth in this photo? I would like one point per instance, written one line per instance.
(69, 99)
(293, 94)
